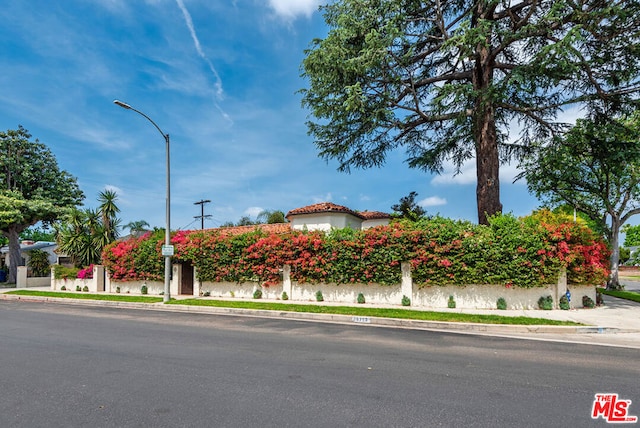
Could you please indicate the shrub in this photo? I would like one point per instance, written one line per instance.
(360, 298)
(527, 252)
(599, 298)
(587, 302)
(85, 289)
(406, 301)
(78, 288)
(63, 288)
(284, 296)
(258, 293)
(501, 304)
(206, 293)
(545, 303)
(86, 273)
(63, 272)
(117, 289)
(319, 296)
(451, 303)
(564, 303)
(144, 289)
(39, 262)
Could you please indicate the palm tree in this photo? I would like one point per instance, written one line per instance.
(108, 211)
(83, 233)
(137, 227)
(271, 217)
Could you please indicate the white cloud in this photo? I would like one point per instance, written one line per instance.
(325, 198)
(432, 201)
(253, 211)
(189, 22)
(291, 9)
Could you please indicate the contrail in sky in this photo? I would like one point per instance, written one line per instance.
(194, 36)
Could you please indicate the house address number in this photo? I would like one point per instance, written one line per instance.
(365, 320)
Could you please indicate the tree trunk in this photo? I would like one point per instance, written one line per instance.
(485, 134)
(15, 256)
(614, 280)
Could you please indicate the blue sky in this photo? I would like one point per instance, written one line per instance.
(221, 78)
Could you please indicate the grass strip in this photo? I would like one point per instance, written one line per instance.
(88, 296)
(374, 312)
(627, 295)
(315, 309)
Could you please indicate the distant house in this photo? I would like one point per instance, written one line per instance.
(25, 247)
(326, 216)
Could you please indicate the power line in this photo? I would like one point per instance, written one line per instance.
(202, 216)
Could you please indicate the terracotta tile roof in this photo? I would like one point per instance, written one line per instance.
(267, 228)
(323, 207)
(330, 207)
(373, 215)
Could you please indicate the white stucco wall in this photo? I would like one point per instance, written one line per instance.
(325, 221)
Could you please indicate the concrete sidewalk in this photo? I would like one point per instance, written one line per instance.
(616, 323)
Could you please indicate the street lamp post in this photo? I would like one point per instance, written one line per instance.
(167, 249)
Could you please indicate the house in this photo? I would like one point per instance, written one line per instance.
(25, 247)
(327, 215)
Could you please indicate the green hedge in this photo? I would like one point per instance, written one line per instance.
(527, 252)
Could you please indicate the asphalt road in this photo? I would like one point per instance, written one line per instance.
(70, 366)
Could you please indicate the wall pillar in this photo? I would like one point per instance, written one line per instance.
(98, 279)
(197, 285)
(561, 288)
(407, 280)
(176, 276)
(21, 277)
(286, 281)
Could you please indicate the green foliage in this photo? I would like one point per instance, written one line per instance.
(451, 303)
(360, 298)
(39, 262)
(38, 234)
(512, 252)
(405, 301)
(83, 234)
(545, 303)
(588, 302)
(285, 296)
(595, 167)
(63, 288)
(63, 272)
(319, 296)
(257, 294)
(625, 255)
(78, 288)
(85, 289)
(271, 217)
(32, 188)
(632, 235)
(117, 289)
(386, 76)
(501, 303)
(144, 289)
(564, 304)
(408, 209)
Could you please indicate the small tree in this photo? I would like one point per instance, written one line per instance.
(408, 208)
(32, 189)
(39, 262)
(83, 234)
(595, 167)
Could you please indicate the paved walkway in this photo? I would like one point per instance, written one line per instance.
(616, 323)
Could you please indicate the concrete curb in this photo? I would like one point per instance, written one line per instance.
(505, 329)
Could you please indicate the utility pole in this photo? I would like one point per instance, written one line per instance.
(202, 216)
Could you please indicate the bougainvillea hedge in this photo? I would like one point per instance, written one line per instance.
(525, 252)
